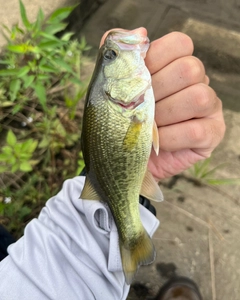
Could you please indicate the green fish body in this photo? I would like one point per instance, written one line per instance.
(117, 135)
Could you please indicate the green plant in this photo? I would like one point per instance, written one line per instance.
(41, 88)
(35, 60)
(16, 156)
(203, 173)
(80, 162)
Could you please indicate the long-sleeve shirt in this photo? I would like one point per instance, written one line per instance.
(70, 251)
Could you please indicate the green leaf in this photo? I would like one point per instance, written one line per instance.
(43, 77)
(47, 68)
(28, 80)
(48, 36)
(23, 71)
(67, 36)
(24, 156)
(12, 160)
(25, 166)
(4, 157)
(50, 45)
(59, 128)
(54, 28)
(39, 21)
(62, 64)
(8, 72)
(11, 138)
(23, 48)
(212, 171)
(25, 145)
(17, 48)
(14, 168)
(76, 81)
(16, 108)
(6, 28)
(60, 14)
(222, 181)
(4, 62)
(7, 150)
(25, 21)
(24, 211)
(32, 146)
(41, 94)
(44, 142)
(14, 88)
(7, 38)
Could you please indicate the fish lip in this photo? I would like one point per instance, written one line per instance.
(128, 106)
(129, 40)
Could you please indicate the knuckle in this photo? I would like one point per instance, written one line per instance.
(221, 128)
(205, 98)
(206, 134)
(202, 98)
(196, 133)
(192, 70)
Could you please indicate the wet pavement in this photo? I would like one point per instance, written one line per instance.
(199, 232)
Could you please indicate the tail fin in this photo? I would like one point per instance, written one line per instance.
(141, 253)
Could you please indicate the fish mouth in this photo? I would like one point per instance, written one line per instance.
(129, 106)
(130, 40)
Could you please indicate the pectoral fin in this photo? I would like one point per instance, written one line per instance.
(155, 138)
(88, 192)
(150, 189)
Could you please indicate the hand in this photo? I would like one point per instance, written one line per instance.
(188, 112)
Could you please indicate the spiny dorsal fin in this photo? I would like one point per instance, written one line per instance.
(155, 138)
(150, 189)
(88, 192)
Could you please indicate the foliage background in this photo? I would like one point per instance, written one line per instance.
(41, 92)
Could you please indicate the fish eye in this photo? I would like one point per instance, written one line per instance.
(109, 54)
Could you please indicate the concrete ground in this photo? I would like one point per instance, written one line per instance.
(198, 236)
(199, 233)
(10, 12)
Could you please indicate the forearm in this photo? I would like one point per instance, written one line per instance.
(70, 252)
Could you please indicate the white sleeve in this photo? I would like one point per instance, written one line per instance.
(69, 252)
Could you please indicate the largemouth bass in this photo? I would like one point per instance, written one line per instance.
(117, 136)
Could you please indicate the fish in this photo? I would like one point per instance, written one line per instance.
(118, 133)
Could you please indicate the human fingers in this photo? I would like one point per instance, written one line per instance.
(176, 76)
(196, 101)
(201, 135)
(166, 49)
